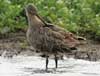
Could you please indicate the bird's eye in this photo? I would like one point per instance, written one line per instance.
(71, 34)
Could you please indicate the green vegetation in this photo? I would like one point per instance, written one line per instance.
(79, 16)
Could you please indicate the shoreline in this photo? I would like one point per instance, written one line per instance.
(16, 43)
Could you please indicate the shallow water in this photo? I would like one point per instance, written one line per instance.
(35, 66)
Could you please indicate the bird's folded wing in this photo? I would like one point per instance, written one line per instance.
(55, 35)
(64, 31)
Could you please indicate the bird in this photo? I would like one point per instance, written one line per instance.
(47, 38)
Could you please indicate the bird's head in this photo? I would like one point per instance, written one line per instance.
(31, 13)
(31, 10)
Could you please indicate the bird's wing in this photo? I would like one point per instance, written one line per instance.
(57, 41)
(65, 32)
(63, 37)
(54, 34)
(60, 39)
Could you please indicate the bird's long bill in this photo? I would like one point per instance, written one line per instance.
(31, 10)
(41, 19)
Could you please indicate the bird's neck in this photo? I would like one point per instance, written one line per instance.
(34, 21)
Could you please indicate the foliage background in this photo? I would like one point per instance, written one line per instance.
(79, 16)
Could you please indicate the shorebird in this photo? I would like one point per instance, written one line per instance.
(47, 38)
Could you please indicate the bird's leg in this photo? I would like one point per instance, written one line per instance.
(56, 61)
(47, 61)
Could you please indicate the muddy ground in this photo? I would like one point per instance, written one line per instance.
(15, 44)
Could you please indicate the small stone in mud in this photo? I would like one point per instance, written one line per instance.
(9, 53)
(93, 56)
(81, 55)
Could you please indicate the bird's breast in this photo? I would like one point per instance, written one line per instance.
(35, 37)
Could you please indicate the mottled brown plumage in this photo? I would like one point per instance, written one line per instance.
(48, 38)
